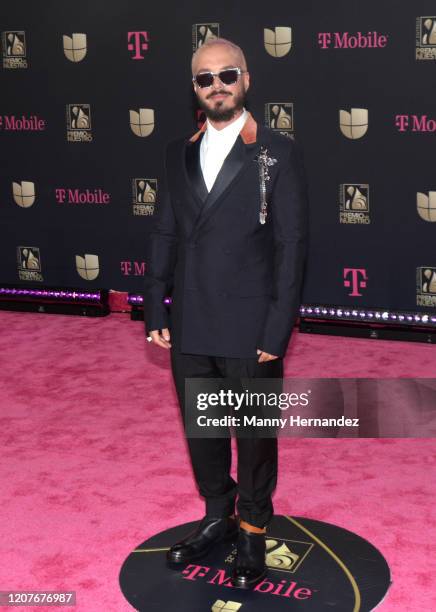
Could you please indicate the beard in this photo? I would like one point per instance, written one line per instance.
(218, 113)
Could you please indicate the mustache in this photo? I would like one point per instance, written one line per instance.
(221, 93)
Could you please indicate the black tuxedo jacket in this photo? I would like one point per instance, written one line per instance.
(235, 283)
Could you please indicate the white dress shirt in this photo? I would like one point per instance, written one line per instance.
(215, 146)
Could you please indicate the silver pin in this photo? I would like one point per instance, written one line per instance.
(264, 162)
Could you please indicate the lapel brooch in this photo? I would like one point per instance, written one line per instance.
(263, 161)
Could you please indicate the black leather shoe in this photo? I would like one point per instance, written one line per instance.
(199, 542)
(250, 565)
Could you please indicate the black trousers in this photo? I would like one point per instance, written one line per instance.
(211, 457)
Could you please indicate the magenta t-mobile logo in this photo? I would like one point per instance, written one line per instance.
(355, 278)
(137, 42)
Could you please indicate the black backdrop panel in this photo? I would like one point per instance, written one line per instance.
(391, 165)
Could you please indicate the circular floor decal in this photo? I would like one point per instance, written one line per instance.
(312, 566)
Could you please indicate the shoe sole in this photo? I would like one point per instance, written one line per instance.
(203, 553)
(245, 584)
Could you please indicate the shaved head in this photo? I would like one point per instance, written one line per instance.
(212, 45)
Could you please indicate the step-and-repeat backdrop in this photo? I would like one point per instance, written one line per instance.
(92, 91)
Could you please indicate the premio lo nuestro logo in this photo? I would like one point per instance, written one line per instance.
(29, 263)
(23, 193)
(279, 116)
(277, 42)
(354, 123)
(142, 121)
(286, 555)
(426, 205)
(14, 49)
(354, 203)
(75, 46)
(426, 286)
(281, 554)
(79, 123)
(425, 38)
(144, 196)
(201, 32)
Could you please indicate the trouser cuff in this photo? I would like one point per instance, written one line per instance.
(257, 520)
(216, 507)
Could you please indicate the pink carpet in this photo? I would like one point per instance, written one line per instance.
(94, 462)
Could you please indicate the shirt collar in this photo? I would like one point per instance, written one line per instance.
(248, 132)
(231, 130)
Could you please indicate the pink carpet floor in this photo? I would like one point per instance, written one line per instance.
(94, 462)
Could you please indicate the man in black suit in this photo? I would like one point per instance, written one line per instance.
(228, 245)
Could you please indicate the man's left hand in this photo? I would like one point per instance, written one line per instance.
(264, 356)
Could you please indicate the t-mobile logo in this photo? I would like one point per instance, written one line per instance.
(355, 278)
(137, 42)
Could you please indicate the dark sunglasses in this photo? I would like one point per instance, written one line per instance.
(229, 76)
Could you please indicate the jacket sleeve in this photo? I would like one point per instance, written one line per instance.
(289, 213)
(160, 260)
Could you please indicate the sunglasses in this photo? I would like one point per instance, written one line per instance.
(229, 76)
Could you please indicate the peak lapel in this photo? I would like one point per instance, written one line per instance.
(243, 151)
(193, 170)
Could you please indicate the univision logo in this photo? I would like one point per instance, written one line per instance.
(277, 42)
(226, 606)
(354, 123)
(74, 47)
(142, 121)
(87, 267)
(23, 193)
(426, 205)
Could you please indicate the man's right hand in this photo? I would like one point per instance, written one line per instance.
(161, 337)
